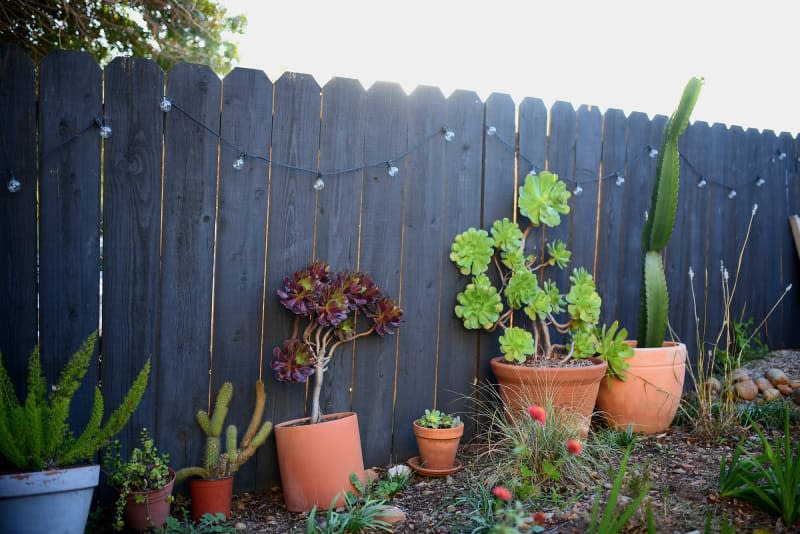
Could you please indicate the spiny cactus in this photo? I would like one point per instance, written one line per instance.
(216, 463)
(654, 299)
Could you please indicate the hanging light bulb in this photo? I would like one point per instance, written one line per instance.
(578, 190)
(393, 170)
(732, 194)
(13, 184)
(652, 152)
(646, 215)
(319, 184)
(166, 104)
(620, 179)
(760, 182)
(534, 171)
(103, 129)
(448, 134)
(780, 154)
(491, 130)
(702, 182)
(238, 163)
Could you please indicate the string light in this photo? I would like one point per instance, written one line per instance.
(652, 151)
(732, 194)
(578, 190)
(760, 182)
(319, 183)
(620, 179)
(702, 182)
(491, 130)
(238, 163)
(13, 184)
(166, 105)
(780, 155)
(393, 170)
(104, 129)
(448, 134)
(534, 171)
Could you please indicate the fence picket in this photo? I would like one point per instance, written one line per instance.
(582, 219)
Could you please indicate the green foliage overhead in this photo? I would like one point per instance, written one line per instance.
(167, 31)
(472, 251)
(543, 199)
(516, 344)
(35, 435)
(479, 305)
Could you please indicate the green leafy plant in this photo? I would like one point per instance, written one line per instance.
(771, 479)
(654, 299)
(543, 198)
(613, 519)
(145, 470)
(361, 512)
(606, 343)
(746, 346)
(208, 524)
(331, 303)
(216, 463)
(35, 435)
(437, 419)
(392, 485)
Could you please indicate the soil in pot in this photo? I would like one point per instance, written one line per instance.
(212, 496)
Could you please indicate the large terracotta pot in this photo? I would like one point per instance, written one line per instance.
(573, 389)
(211, 496)
(146, 509)
(315, 461)
(650, 396)
(438, 446)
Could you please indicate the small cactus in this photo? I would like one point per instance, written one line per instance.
(216, 463)
(654, 299)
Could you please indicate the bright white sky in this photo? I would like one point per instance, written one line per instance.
(635, 56)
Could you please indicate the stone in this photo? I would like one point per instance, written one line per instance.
(777, 377)
(746, 390)
(240, 526)
(399, 470)
(739, 375)
(796, 396)
(392, 514)
(714, 384)
(794, 383)
(771, 394)
(763, 384)
(784, 389)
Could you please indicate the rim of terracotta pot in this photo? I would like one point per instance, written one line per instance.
(304, 421)
(210, 481)
(439, 433)
(670, 353)
(596, 362)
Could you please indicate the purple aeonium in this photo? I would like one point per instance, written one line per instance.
(386, 316)
(300, 292)
(293, 362)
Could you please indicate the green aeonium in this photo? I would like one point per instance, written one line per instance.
(479, 305)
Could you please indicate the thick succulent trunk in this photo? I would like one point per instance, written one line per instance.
(319, 373)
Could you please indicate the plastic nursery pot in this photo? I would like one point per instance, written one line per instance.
(438, 446)
(572, 389)
(316, 460)
(153, 509)
(649, 398)
(211, 496)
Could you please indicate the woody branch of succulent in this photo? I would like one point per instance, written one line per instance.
(333, 303)
(542, 200)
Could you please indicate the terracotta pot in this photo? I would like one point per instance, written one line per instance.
(650, 396)
(315, 461)
(573, 389)
(438, 446)
(212, 496)
(153, 510)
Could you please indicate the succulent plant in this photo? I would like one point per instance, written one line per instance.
(330, 302)
(543, 198)
(654, 299)
(607, 343)
(437, 419)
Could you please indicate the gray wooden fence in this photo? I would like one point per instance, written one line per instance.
(193, 250)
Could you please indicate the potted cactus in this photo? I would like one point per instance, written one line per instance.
(213, 490)
(560, 358)
(47, 490)
(437, 436)
(317, 454)
(648, 400)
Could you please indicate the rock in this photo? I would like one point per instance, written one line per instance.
(763, 384)
(794, 383)
(240, 526)
(739, 375)
(746, 390)
(777, 377)
(714, 384)
(771, 394)
(784, 389)
(399, 470)
(392, 515)
(371, 474)
(796, 396)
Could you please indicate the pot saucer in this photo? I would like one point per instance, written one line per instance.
(415, 464)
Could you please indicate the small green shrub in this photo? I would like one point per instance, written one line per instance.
(612, 519)
(746, 346)
(362, 513)
(208, 524)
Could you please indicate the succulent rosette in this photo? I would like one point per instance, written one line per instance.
(472, 251)
(386, 316)
(479, 305)
(293, 362)
(543, 198)
(517, 344)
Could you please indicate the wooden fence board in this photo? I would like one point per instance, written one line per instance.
(295, 141)
(339, 212)
(582, 219)
(131, 234)
(18, 240)
(385, 136)
(461, 207)
(190, 191)
(241, 240)
(421, 266)
(790, 270)
(499, 179)
(765, 288)
(611, 254)
(69, 196)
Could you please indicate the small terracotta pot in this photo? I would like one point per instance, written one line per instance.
(153, 511)
(438, 446)
(649, 398)
(316, 460)
(212, 496)
(573, 389)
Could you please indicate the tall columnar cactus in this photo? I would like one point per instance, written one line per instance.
(216, 463)
(654, 299)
